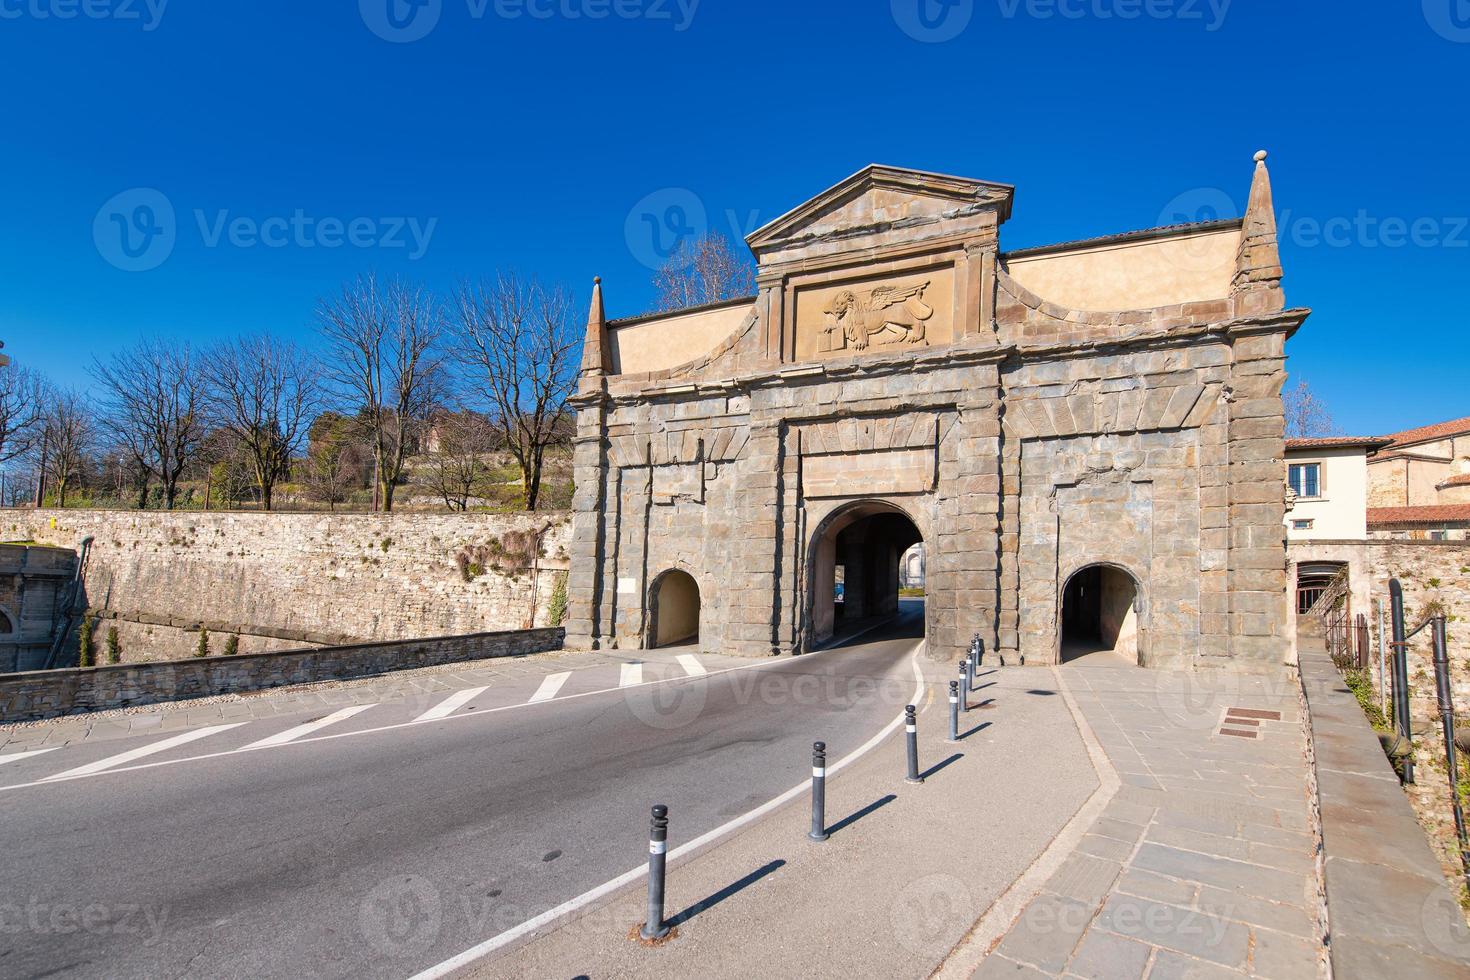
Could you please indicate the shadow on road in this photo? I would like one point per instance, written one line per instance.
(853, 818)
(941, 765)
(978, 728)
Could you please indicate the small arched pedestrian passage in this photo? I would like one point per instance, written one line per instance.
(674, 610)
(1100, 614)
(854, 566)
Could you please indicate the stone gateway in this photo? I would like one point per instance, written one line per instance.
(1086, 438)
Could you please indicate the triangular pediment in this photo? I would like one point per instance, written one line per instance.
(877, 198)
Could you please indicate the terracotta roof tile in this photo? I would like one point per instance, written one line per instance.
(1426, 433)
(1434, 514)
(1338, 442)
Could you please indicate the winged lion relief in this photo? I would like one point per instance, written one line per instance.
(878, 316)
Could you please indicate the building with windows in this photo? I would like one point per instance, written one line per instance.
(1328, 480)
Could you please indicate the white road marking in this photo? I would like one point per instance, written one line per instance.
(549, 687)
(17, 756)
(691, 664)
(761, 664)
(292, 734)
(151, 749)
(545, 919)
(631, 675)
(451, 704)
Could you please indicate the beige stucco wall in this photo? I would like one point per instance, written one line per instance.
(1340, 513)
(1134, 275)
(666, 342)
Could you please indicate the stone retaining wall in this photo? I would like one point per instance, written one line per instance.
(52, 693)
(1390, 911)
(281, 581)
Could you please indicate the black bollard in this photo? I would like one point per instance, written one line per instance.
(972, 664)
(964, 686)
(954, 711)
(1444, 696)
(1400, 646)
(654, 926)
(819, 791)
(911, 736)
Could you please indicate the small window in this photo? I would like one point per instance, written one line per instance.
(1305, 479)
(1438, 536)
(1302, 525)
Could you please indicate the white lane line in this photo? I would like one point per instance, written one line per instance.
(545, 919)
(17, 756)
(549, 686)
(764, 663)
(691, 664)
(151, 749)
(451, 704)
(631, 675)
(292, 734)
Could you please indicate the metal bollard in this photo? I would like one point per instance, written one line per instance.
(974, 665)
(654, 926)
(819, 791)
(964, 685)
(954, 711)
(911, 729)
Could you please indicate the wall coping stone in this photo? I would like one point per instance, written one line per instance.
(1387, 899)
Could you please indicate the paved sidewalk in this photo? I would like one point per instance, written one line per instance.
(1203, 863)
(422, 682)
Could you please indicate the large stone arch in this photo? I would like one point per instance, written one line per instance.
(818, 625)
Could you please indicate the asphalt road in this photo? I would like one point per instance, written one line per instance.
(386, 852)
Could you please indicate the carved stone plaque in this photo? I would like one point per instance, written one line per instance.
(879, 315)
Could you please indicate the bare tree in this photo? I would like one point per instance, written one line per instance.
(703, 270)
(67, 425)
(385, 353)
(330, 474)
(518, 338)
(23, 398)
(264, 392)
(1307, 416)
(156, 408)
(454, 465)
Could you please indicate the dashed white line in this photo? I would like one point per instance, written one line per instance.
(549, 687)
(691, 664)
(151, 749)
(630, 675)
(452, 704)
(17, 756)
(300, 731)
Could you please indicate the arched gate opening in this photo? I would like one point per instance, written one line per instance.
(855, 570)
(673, 610)
(1100, 614)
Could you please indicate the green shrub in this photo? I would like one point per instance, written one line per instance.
(87, 656)
(114, 646)
(232, 644)
(558, 610)
(203, 649)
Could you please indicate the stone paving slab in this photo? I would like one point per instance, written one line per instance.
(1202, 863)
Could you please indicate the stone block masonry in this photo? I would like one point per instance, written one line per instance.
(284, 581)
(51, 693)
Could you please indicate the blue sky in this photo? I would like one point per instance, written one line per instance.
(537, 134)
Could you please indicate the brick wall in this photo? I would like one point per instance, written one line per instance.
(52, 693)
(291, 580)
